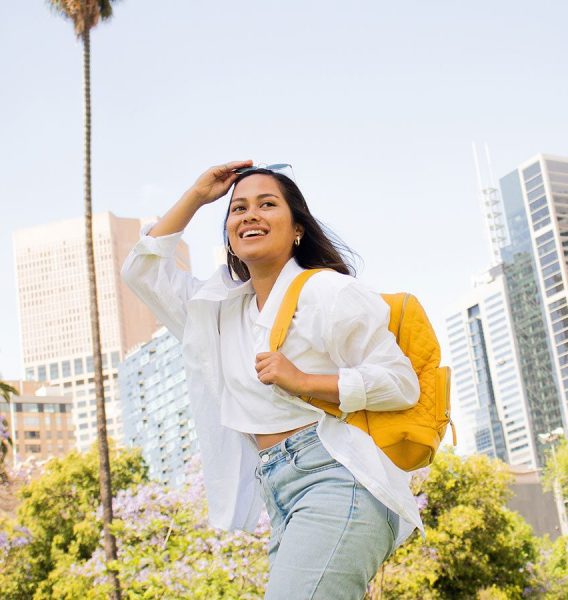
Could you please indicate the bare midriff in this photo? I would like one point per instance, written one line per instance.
(265, 440)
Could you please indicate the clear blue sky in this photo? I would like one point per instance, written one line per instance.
(374, 103)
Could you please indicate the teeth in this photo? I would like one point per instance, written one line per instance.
(253, 232)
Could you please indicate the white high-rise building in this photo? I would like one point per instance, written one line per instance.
(487, 377)
(55, 324)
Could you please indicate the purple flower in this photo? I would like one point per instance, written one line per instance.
(421, 501)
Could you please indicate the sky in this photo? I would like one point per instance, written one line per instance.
(375, 104)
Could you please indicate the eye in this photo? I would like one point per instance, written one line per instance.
(268, 202)
(236, 208)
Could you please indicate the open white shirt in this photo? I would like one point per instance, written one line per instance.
(340, 327)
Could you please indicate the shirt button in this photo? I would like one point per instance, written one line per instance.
(265, 458)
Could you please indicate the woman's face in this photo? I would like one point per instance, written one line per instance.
(260, 227)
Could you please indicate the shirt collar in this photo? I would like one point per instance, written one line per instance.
(272, 304)
(221, 286)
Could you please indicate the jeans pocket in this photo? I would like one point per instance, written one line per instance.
(313, 458)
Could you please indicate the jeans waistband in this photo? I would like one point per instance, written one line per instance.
(292, 443)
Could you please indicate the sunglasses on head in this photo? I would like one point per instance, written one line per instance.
(283, 168)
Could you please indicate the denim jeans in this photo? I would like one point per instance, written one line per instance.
(329, 533)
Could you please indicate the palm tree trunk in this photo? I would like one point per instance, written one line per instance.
(104, 462)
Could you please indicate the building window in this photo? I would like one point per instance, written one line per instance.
(41, 373)
(531, 171)
(540, 214)
(78, 366)
(554, 290)
(31, 435)
(33, 448)
(54, 371)
(541, 224)
(66, 368)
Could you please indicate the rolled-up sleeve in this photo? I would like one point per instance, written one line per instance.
(374, 373)
(151, 272)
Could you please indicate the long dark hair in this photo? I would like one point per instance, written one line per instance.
(319, 246)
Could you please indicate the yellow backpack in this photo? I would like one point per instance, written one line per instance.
(410, 438)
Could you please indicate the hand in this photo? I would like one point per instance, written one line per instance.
(275, 368)
(216, 181)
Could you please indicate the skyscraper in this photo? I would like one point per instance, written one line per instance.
(488, 380)
(529, 234)
(53, 295)
(535, 200)
(157, 416)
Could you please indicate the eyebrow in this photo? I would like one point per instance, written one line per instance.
(259, 197)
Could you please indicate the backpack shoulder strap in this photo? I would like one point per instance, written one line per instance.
(288, 308)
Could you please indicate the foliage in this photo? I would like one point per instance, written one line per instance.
(474, 544)
(84, 14)
(165, 547)
(167, 550)
(551, 570)
(58, 511)
(557, 467)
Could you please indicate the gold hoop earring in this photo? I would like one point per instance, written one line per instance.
(230, 251)
(297, 241)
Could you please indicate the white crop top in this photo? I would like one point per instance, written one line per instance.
(248, 405)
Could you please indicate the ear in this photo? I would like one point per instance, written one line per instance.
(299, 229)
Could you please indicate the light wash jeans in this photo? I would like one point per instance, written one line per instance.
(329, 533)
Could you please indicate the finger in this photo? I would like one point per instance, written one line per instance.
(262, 364)
(264, 355)
(265, 377)
(237, 164)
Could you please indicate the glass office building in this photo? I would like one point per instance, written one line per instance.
(529, 316)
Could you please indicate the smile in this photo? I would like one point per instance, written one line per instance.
(253, 233)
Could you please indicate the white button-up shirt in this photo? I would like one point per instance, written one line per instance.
(340, 327)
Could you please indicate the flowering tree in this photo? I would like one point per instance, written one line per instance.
(475, 547)
(167, 550)
(165, 547)
(57, 514)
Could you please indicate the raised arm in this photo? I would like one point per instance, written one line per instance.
(150, 270)
(210, 186)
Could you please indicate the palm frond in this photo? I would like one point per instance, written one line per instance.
(6, 389)
(84, 14)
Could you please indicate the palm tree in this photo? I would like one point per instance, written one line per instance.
(6, 390)
(85, 14)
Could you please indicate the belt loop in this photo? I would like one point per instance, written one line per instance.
(285, 450)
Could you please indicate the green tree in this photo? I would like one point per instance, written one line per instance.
(557, 467)
(474, 544)
(58, 522)
(85, 14)
(166, 548)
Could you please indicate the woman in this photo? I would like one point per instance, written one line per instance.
(338, 506)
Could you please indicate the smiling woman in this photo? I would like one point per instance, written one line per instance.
(337, 504)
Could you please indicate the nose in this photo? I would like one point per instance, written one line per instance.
(250, 215)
